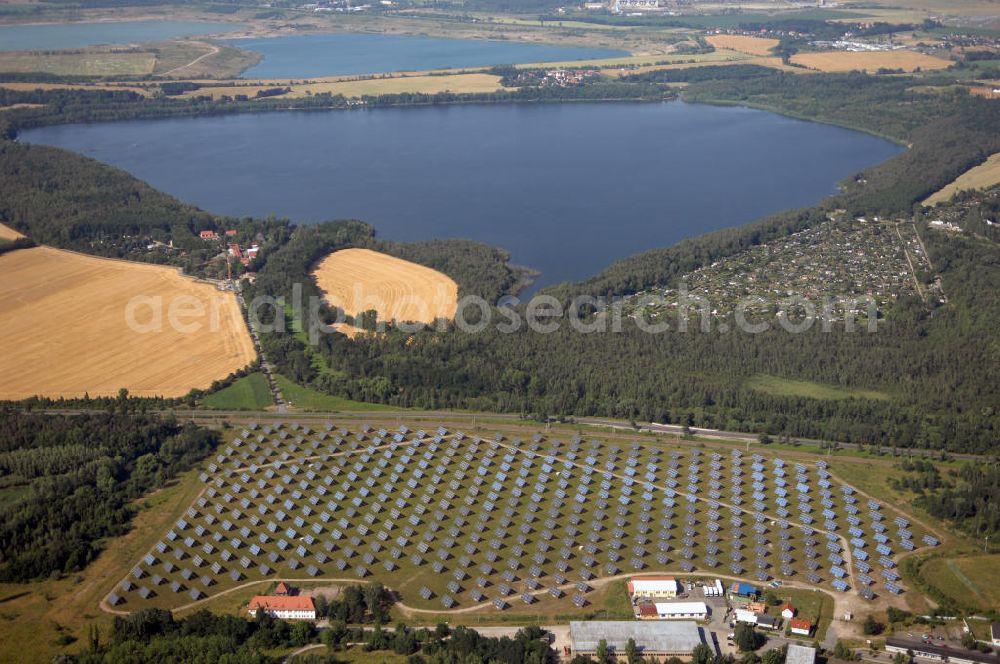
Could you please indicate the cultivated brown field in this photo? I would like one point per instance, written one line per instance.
(743, 44)
(832, 61)
(358, 280)
(982, 176)
(65, 332)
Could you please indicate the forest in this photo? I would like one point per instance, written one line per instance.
(68, 481)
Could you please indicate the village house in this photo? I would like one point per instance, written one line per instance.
(208, 235)
(788, 611)
(800, 626)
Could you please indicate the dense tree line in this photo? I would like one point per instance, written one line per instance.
(63, 199)
(72, 481)
(64, 106)
(154, 635)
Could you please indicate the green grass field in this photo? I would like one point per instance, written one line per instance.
(816, 607)
(84, 63)
(787, 387)
(247, 393)
(969, 580)
(304, 398)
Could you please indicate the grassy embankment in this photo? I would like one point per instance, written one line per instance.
(247, 393)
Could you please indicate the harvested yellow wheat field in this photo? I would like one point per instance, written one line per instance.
(65, 332)
(832, 61)
(982, 176)
(8, 233)
(358, 280)
(743, 44)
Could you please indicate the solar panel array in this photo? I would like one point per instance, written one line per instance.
(498, 517)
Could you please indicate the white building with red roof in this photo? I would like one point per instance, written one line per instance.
(294, 607)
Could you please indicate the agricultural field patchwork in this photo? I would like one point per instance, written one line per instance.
(66, 333)
(453, 521)
(869, 61)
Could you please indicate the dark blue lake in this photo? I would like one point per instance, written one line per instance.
(77, 35)
(566, 188)
(304, 56)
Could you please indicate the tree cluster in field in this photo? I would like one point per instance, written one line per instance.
(369, 603)
(968, 497)
(73, 480)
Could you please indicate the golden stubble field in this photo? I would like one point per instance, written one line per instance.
(743, 44)
(358, 280)
(834, 61)
(983, 176)
(64, 331)
(9, 234)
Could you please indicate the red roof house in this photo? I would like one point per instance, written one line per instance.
(284, 607)
(800, 626)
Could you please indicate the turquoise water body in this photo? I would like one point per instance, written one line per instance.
(359, 53)
(566, 188)
(76, 35)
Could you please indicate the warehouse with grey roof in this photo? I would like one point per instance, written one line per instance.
(651, 638)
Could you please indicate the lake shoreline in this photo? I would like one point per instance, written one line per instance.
(572, 207)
